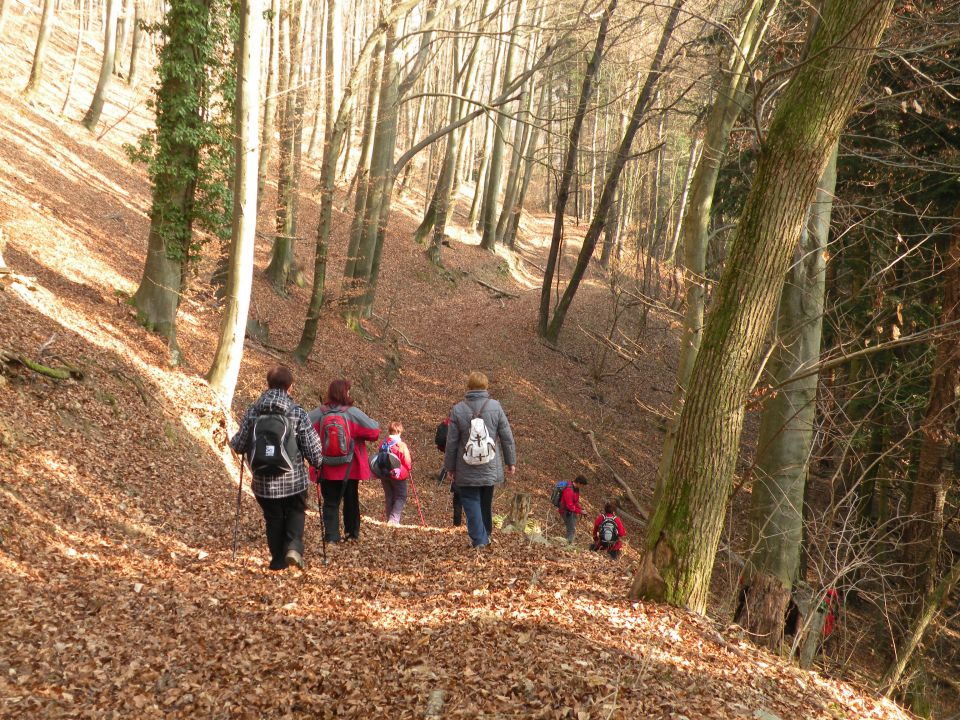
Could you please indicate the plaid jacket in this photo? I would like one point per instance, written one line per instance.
(291, 483)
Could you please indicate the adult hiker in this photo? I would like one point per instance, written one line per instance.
(344, 431)
(276, 435)
(392, 464)
(570, 508)
(608, 531)
(479, 446)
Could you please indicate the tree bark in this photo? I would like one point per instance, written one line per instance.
(47, 22)
(226, 362)
(786, 429)
(685, 526)
(134, 72)
(923, 534)
(123, 35)
(92, 117)
(270, 101)
(495, 165)
(696, 221)
(76, 58)
(552, 331)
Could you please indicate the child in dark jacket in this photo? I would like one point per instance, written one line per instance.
(441, 442)
(603, 536)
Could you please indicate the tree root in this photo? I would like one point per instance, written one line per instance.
(628, 491)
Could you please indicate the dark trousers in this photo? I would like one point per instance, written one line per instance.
(457, 506)
(284, 518)
(570, 521)
(335, 492)
(486, 508)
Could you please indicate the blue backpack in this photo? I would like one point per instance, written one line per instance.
(557, 493)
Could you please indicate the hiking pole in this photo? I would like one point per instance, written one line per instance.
(416, 497)
(236, 520)
(323, 527)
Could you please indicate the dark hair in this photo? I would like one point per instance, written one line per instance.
(339, 393)
(581, 480)
(279, 378)
(610, 508)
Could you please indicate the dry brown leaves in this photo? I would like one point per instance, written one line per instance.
(119, 596)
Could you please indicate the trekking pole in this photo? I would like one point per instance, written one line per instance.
(416, 497)
(236, 520)
(323, 527)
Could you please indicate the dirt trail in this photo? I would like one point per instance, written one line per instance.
(120, 597)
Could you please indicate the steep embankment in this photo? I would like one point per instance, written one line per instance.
(119, 594)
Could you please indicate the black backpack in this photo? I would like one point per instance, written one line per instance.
(608, 533)
(274, 450)
(441, 436)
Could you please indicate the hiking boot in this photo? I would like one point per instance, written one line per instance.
(294, 558)
(276, 567)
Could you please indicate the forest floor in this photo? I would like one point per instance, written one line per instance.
(117, 494)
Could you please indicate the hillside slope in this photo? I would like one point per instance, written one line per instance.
(120, 596)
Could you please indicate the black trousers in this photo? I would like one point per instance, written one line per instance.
(284, 518)
(486, 507)
(457, 506)
(334, 493)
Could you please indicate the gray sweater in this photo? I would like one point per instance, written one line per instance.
(459, 431)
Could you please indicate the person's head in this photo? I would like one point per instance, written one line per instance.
(477, 381)
(580, 481)
(279, 378)
(339, 392)
(395, 428)
(610, 507)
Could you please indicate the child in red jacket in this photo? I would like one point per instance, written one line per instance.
(608, 531)
(570, 508)
(395, 486)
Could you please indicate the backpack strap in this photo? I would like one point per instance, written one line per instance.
(479, 412)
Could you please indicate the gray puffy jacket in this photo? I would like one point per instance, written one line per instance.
(459, 431)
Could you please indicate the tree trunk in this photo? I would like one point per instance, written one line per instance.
(226, 362)
(516, 519)
(270, 102)
(684, 194)
(134, 73)
(76, 58)
(786, 429)
(281, 270)
(696, 222)
(171, 214)
(123, 35)
(495, 165)
(685, 525)
(47, 21)
(309, 335)
(569, 164)
(923, 534)
(92, 117)
(4, 11)
(552, 331)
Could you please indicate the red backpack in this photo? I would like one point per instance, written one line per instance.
(336, 441)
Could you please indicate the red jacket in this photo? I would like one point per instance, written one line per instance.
(401, 450)
(362, 429)
(570, 500)
(621, 532)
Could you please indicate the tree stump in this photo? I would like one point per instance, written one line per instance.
(811, 617)
(3, 246)
(516, 520)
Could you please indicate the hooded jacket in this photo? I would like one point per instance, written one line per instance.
(362, 429)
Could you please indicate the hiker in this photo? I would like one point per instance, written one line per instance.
(276, 435)
(570, 508)
(608, 531)
(441, 441)
(392, 464)
(479, 446)
(344, 431)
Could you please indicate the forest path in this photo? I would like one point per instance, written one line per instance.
(117, 496)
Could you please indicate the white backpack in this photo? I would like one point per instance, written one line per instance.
(480, 448)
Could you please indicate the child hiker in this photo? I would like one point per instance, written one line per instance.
(394, 477)
(608, 531)
(441, 442)
(570, 508)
